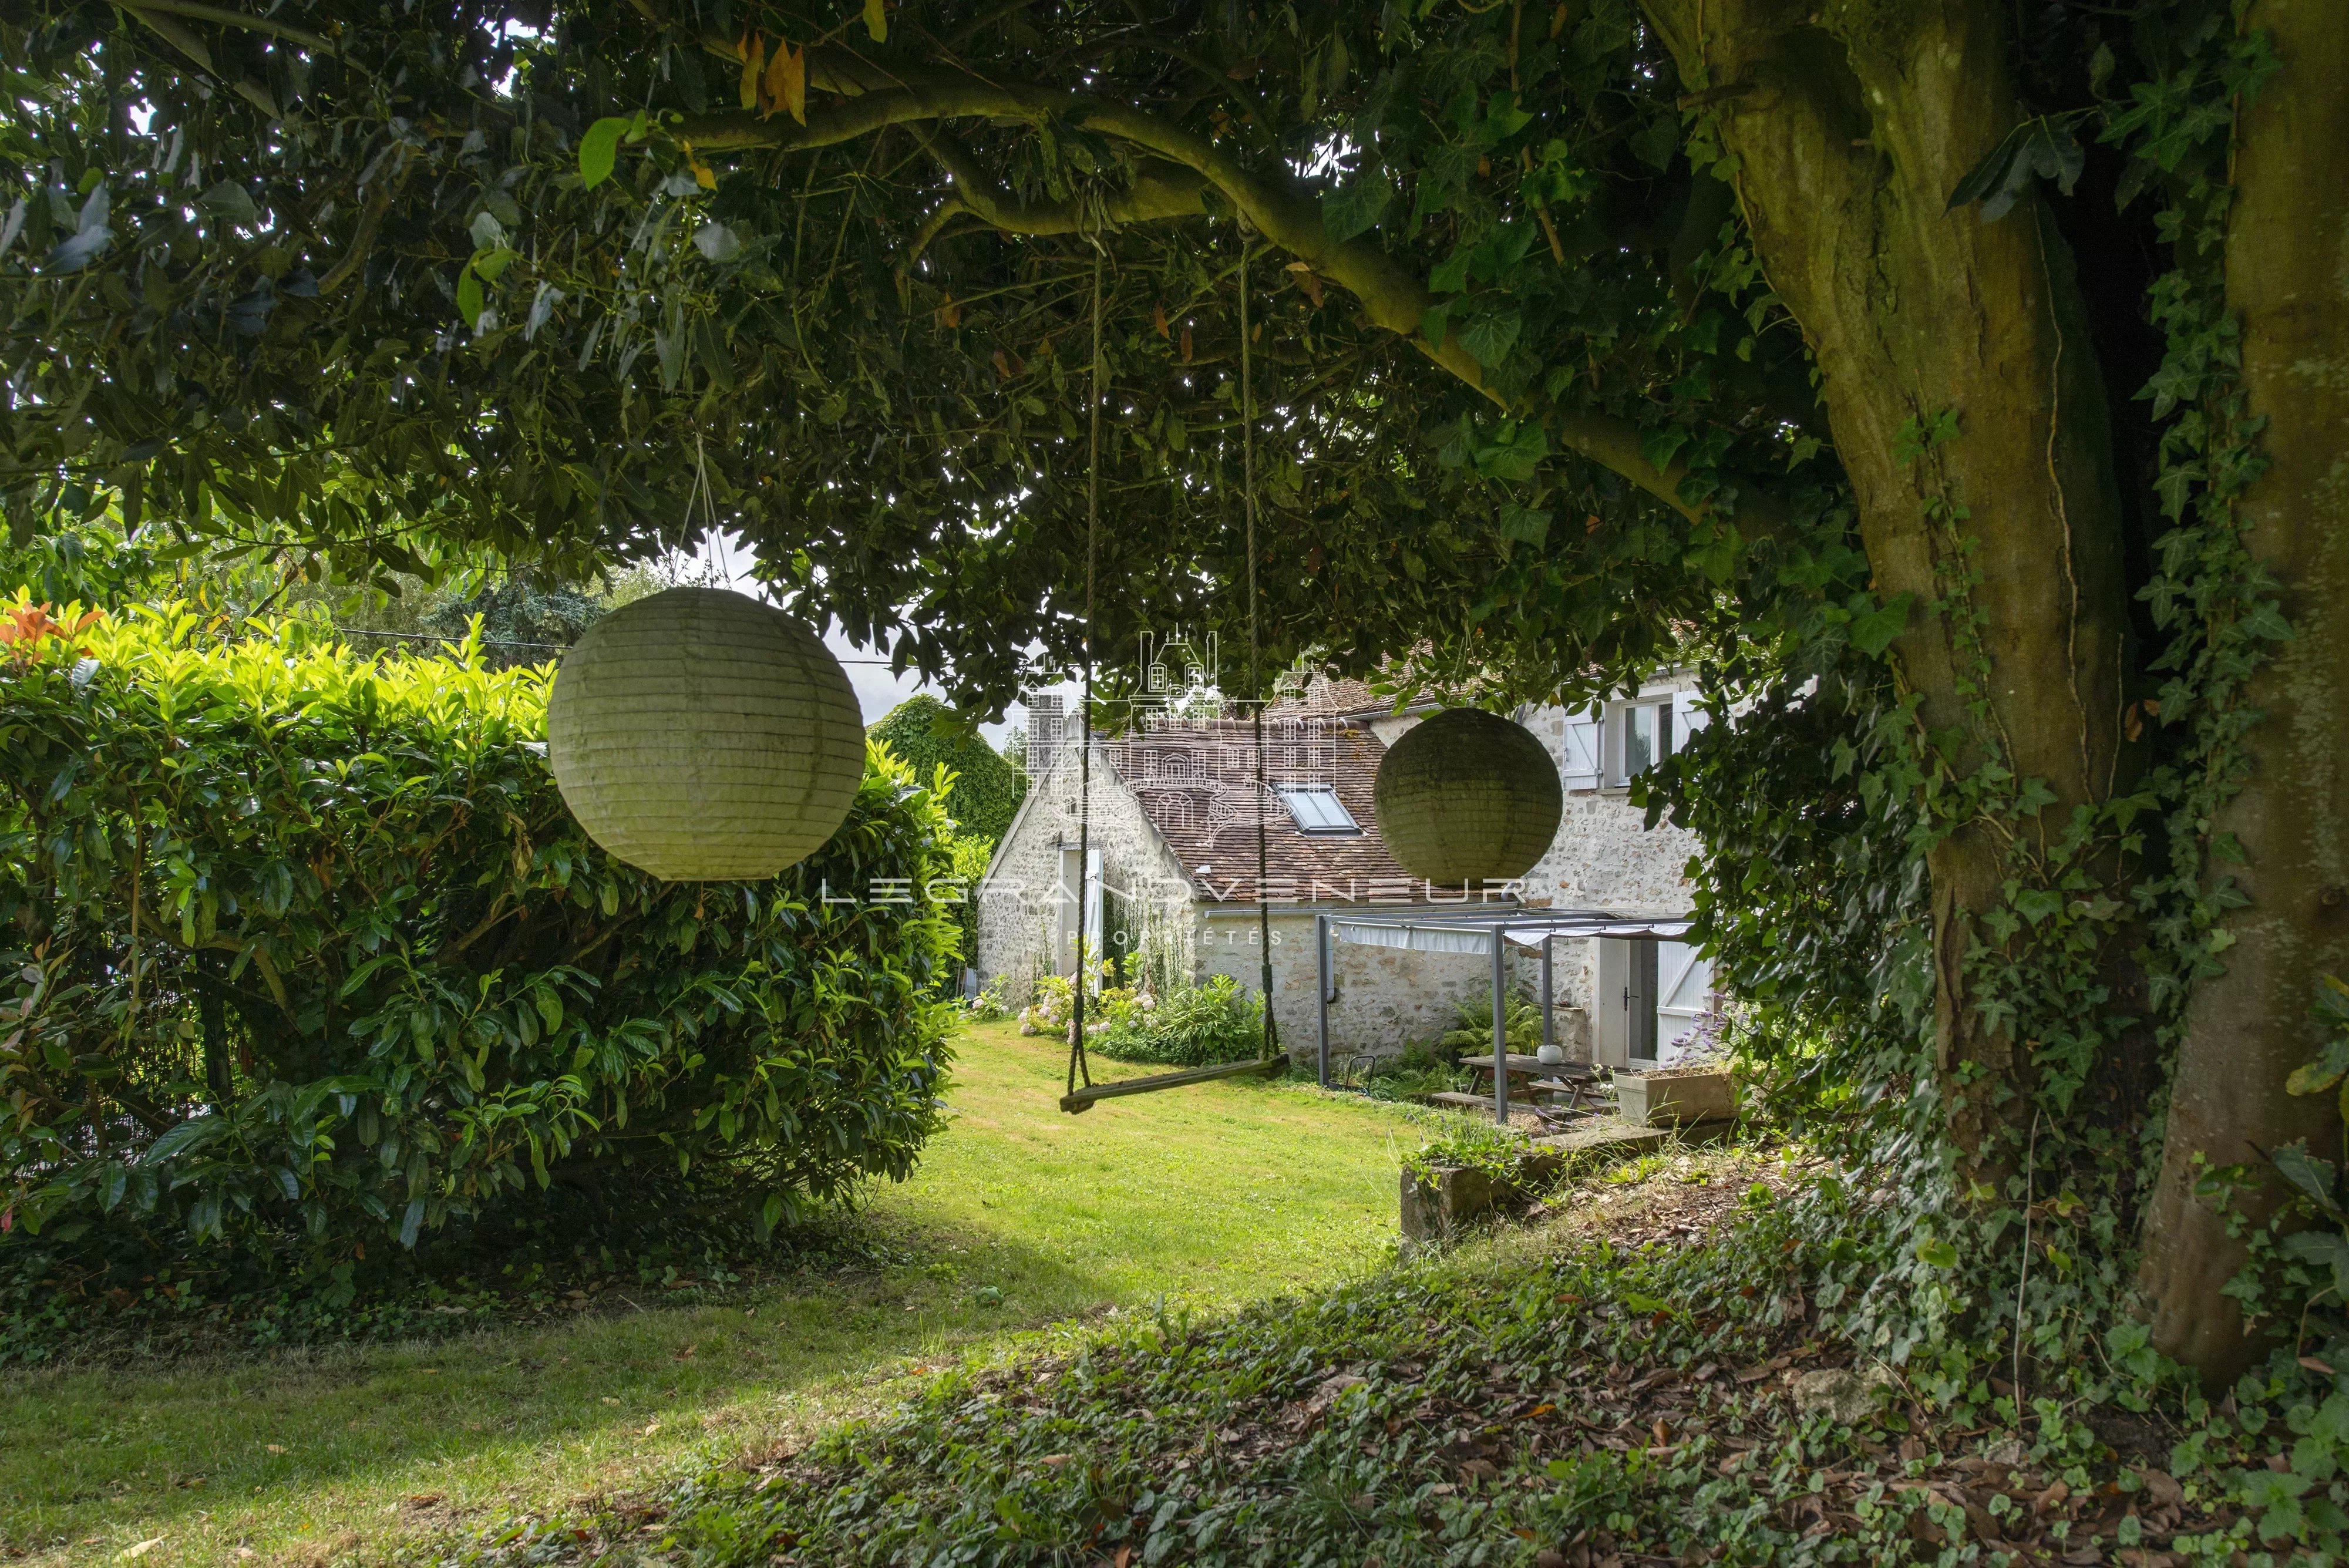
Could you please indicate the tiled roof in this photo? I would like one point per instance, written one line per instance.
(1195, 780)
(1327, 695)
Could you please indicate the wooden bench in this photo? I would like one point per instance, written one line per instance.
(1454, 1100)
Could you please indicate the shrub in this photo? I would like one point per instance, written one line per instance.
(926, 734)
(303, 944)
(1467, 1143)
(967, 861)
(1472, 1035)
(1192, 1027)
(1054, 1005)
(993, 1001)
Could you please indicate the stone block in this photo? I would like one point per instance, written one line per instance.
(1676, 1098)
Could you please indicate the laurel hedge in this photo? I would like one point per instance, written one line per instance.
(302, 948)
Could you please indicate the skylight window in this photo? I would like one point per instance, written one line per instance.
(1316, 808)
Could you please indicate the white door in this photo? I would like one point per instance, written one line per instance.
(1610, 1019)
(1684, 993)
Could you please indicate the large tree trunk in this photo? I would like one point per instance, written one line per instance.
(2288, 285)
(1852, 127)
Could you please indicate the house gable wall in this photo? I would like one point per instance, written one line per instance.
(1020, 899)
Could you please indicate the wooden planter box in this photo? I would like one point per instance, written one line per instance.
(1676, 1097)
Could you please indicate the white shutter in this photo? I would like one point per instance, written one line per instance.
(1580, 767)
(1687, 717)
(1096, 942)
(1684, 991)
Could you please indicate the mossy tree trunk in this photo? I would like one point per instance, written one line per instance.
(2288, 287)
(1850, 134)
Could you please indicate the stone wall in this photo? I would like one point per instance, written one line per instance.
(1146, 898)
(1387, 998)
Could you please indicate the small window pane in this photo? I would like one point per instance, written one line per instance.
(1638, 741)
(1647, 738)
(1318, 809)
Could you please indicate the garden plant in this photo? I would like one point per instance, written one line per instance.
(1957, 385)
(305, 956)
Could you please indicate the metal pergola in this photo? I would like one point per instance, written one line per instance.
(1473, 931)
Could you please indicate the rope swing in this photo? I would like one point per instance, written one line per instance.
(1082, 1092)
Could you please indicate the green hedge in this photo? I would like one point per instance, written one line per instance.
(925, 733)
(302, 944)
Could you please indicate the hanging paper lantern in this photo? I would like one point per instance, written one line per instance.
(1468, 796)
(703, 736)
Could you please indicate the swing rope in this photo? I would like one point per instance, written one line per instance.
(1078, 1065)
(1256, 674)
(1082, 1098)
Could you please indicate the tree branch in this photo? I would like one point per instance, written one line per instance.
(1159, 191)
(1285, 211)
(154, 17)
(227, 18)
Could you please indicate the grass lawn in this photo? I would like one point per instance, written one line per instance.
(1020, 1218)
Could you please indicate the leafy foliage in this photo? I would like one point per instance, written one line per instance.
(580, 287)
(1191, 1026)
(305, 945)
(547, 287)
(1471, 1031)
(514, 614)
(1585, 1401)
(926, 734)
(1467, 1143)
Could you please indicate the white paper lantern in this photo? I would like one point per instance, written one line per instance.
(703, 736)
(1467, 796)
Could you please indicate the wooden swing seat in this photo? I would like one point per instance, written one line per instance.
(1083, 1099)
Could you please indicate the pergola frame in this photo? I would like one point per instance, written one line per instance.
(1464, 931)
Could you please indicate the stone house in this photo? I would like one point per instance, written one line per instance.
(1171, 886)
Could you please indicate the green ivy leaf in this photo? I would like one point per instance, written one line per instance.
(1660, 445)
(1872, 632)
(1490, 339)
(1524, 524)
(600, 149)
(1356, 206)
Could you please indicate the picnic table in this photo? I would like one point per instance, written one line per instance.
(1481, 1069)
(1574, 1081)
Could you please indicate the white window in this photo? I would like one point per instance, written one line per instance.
(1612, 745)
(1639, 735)
(1316, 808)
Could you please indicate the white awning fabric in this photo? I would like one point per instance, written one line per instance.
(1418, 938)
(1466, 939)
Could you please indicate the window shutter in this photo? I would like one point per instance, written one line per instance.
(1579, 769)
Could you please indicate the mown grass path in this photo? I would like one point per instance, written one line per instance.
(1020, 1218)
